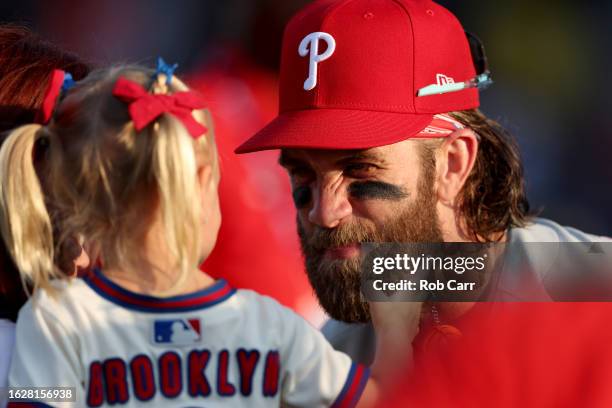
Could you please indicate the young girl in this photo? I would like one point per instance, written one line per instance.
(26, 65)
(129, 164)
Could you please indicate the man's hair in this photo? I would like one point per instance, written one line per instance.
(493, 197)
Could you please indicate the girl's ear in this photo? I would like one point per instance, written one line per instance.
(456, 160)
(205, 175)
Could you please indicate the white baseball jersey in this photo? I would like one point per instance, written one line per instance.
(215, 347)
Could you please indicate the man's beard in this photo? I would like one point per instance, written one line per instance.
(337, 282)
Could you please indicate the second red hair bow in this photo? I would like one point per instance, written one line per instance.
(145, 107)
(59, 81)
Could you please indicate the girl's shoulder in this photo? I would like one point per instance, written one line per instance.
(58, 301)
(266, 309)
(252, 299)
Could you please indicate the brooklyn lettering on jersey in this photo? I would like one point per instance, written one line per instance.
(173, 374)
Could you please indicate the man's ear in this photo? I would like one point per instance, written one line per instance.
(456, 158)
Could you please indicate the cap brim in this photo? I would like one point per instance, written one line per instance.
(335, 129)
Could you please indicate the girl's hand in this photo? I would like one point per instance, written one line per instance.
(396, 324)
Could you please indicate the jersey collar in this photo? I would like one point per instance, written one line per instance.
(214, 294)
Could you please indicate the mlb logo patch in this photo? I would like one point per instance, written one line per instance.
(177, 331)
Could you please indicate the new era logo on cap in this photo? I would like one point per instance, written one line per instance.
(442, 79)
(363, 72)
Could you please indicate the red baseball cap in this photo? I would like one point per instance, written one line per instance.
(357, 74)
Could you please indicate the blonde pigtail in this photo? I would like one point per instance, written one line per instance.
(25, 223)
(175, 168)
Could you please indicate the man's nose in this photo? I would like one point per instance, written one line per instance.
(330, 206)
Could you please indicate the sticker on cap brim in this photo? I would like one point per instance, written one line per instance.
(445, 84)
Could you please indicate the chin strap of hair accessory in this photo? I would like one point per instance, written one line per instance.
(59, 82)
(144, 107)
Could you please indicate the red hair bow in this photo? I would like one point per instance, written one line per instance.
(145, 107)
(51, 94)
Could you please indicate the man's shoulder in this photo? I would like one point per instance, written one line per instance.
(544, 230)
(550, 260)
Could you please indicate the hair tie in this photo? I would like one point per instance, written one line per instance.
(163, 68)
(59, 82)
(145, 107)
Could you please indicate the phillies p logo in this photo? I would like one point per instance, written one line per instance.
(310, 46)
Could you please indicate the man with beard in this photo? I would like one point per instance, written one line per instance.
(380, 132)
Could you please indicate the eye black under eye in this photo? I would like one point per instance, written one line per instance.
(376, 190)
(301, 196)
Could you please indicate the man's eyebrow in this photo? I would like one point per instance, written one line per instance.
(362, 155)
(286, 160)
